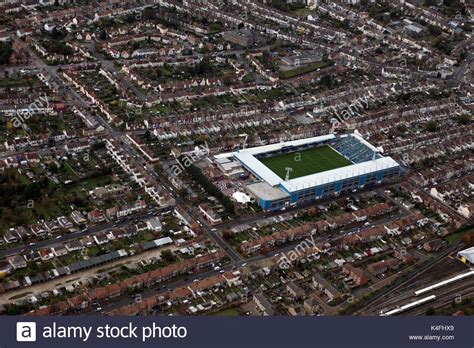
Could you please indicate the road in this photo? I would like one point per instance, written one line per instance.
(145, 168)
(138, 161)
(461, 72)
(235, 264)
(136, 158)
(79, 234)
(110, 67)
(76, 98)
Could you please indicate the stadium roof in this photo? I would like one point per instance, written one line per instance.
(339, 174)
(258, 167)
(278, 146)
(362, 140)
(267, 192)
(247, 157)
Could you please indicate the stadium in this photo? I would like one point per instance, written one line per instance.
(304, 170)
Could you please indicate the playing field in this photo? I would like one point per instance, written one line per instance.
(306, 162)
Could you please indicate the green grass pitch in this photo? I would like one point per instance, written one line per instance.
(306, 162)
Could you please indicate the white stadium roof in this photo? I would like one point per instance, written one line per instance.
(275, 147)
(258, 167)
(247, 157)
(339, 174)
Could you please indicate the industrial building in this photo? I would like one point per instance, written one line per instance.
(467, 255)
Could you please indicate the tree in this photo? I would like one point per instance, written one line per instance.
(402, 128)
(6, 51)
(57, 34)
(98, 146)
(149, 14)
(155, 74)
(443, 45)
(326, 81)
(203, 66)
(183, 192)
(464, 119)
(147, 135)
(432, 126)
(215, 27)
(227, 79)
(168, 256)
(53, 168)
(103, 34)
(210, 188)
(468, 239)
(201, 139)
(227, 235)
(435, 31)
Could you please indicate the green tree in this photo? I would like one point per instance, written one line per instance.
(227, 79)
(204, 66)
(6, 51)
(431, 126)
(149, 14)
(464, 119)
(326, 81)
(103, 34)
(168, 256)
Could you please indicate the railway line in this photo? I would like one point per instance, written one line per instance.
(435, 297)
(418, 278)
(445, 298)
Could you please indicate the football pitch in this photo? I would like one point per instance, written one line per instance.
(306, 162)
